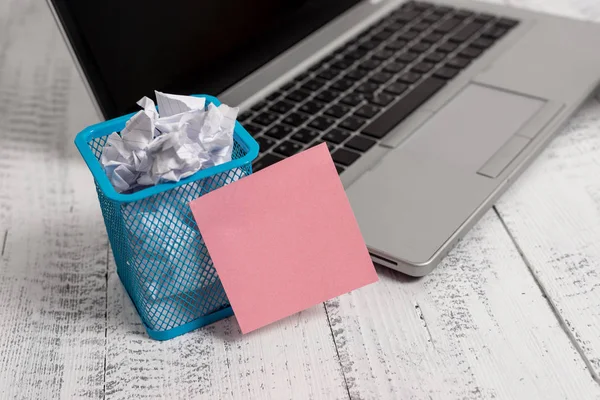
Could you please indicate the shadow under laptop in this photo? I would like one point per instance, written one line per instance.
(395, 275)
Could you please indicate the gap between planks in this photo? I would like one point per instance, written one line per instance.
(4, 243)
(553, 307)
(106, 317)
(337, 352)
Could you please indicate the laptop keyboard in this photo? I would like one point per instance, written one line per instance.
(356, 95)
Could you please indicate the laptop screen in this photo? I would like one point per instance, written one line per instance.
(127, 49)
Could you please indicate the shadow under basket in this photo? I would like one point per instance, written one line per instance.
(161, 258)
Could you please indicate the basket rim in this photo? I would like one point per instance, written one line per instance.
(114, 125)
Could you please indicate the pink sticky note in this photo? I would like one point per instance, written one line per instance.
(284, 239)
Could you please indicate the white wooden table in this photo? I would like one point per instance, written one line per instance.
(512, 313)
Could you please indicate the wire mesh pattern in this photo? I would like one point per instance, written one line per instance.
(159, 252)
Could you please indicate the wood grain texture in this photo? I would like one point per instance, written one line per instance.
(294, 358)
(485, 324)
(480, 326)
(476, 327)
(553, 212)
(53, 258)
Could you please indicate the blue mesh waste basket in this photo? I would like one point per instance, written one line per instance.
(161, 258)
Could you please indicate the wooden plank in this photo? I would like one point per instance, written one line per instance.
(553, 212)
(479, 326)
(476, 327)
(53, 255)
(295, 358)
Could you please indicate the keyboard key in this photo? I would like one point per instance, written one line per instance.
(352, 99)
(344, 157)
(370, 64)
(273, 96)
(394, 27)
(470, 52)
(448, 47)
(288, 148)
(328, 59)
(380, 77)
(305, 135)
(265, 143)
(383, 35)
(342, 64)
(483, 18)
(433, 17)
(281, 107)
(432, 38)
(482, 43)
(360, 143)
(279, 131)
(337, 111)
(330, 146)
(403, 108)
(265, 161)
(342, 84)
(420, 27)
(418, 5)
(420, 47)
(312, 107)
(313, 85)
(368, 111)
(406, 16)
(368, 45)
(327, 96)
(352, 123)
(422, 67)
(394, 67)
(356, 54)
(507, 23)
(336, 136)
(297, 96)
(407, 57)
(494, 32)
(396, 45)
(396, 88)
(459, 62)
(339, 169)
(356, 74)
(435, 57)
(466, 32)
(383, 54)
(328, 74)
(259, 106)
(446, 73)
(380, 99)
(288, 86)
(245, 116)
(265, 118)
(409, 77)
(407, 35)
(463, 14)
(367, 87)
(448, 25)
(252, 129)
(300, 78)
(321, 123)
(295, 119)
(313, 68)
(443, 10)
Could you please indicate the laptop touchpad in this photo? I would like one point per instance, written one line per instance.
(470, 128)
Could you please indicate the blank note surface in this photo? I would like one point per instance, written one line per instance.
(284, 239)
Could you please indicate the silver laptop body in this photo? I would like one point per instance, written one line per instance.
(423, 186)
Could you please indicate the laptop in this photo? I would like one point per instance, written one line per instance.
(429, 109)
